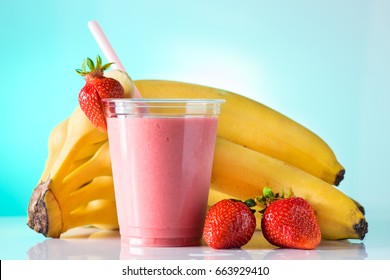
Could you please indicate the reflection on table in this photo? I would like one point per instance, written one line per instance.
(93, 244)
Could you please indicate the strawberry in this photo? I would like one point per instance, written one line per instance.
(289, 222)
(229, 224)
(95, 89)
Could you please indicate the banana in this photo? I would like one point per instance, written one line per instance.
(256, 126)
(76, 186)
(242, 173)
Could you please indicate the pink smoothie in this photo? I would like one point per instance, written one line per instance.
(162, 169)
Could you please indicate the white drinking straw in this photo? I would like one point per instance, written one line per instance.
(107, 49)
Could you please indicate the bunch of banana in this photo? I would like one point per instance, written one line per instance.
(256, 147)
(76, 187)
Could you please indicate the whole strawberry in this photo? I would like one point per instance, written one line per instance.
(229, 224)
(291, 223)
(95, 89)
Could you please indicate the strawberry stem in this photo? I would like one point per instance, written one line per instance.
(250, 202)
(95, 69)
(90, 64)
(268, 197)
(268, 193)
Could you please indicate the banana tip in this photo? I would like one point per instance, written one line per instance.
(339, 177)
(361, 228)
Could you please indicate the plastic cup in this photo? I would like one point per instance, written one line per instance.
(161, 154)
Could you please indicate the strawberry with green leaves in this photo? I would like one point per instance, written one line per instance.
(229, 224)
(289, 222)
(95, 89)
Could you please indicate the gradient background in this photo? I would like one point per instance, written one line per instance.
(326, 64)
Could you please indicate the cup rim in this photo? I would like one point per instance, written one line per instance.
(164, 100)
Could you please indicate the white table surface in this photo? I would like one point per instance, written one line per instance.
(19, 242)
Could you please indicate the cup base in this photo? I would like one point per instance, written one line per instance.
(161, 242)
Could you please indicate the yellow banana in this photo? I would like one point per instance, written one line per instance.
(76, 177)
(242, 173)
(258, 127)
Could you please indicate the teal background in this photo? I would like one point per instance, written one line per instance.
(323, 63)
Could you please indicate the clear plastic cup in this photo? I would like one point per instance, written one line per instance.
(161, 154)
